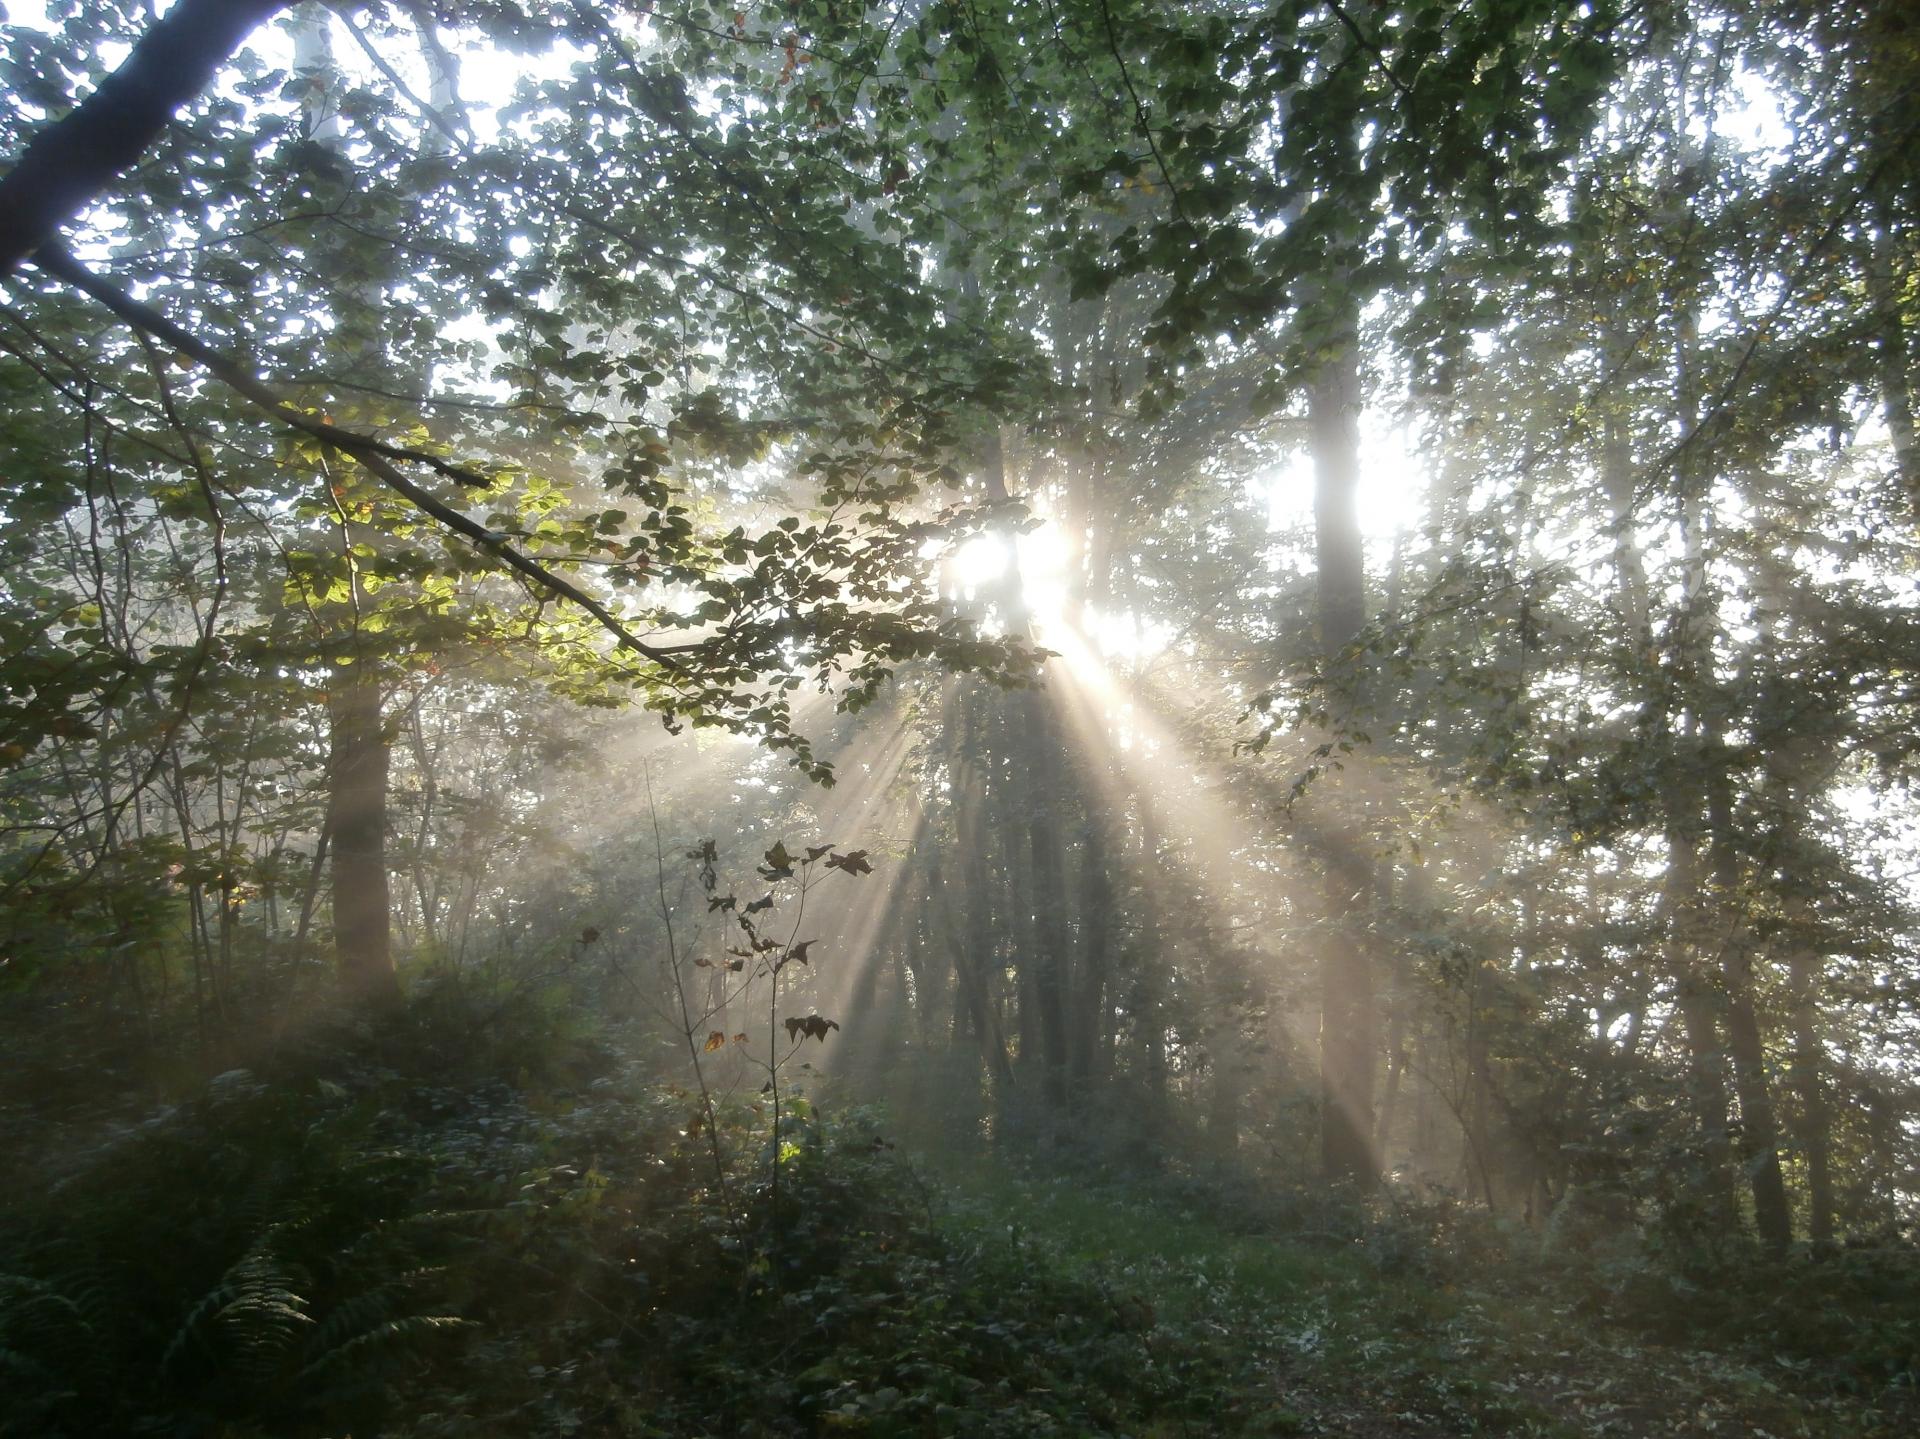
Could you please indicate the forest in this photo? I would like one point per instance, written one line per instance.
(959, 717)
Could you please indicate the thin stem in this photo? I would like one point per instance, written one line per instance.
(687, 1025)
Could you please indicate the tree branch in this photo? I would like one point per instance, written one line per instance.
(375, 455)
(71, 161)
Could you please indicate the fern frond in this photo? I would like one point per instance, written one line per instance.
(29, 1304)
(254, 1307)
(374, 1350)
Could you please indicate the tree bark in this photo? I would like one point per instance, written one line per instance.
(1813, 1129)
(974, 956)
(1707, 1096)
(357, 822)
(1091, 1056)
(1895, 359)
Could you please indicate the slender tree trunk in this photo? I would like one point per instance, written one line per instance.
(1347, 1019)
(1706, 1068)
(1050, 959)
(918, 954)
(974, 956)
(1228, 1083)
(1090, 1054)
(1036, 770)
(1814, 1127)
(1399, 1002)
(357, 824)
(359, 759)
(425, 761)
(1760, 1137)
(1895, 356)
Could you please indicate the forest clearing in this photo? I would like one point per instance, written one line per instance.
(1096, 717)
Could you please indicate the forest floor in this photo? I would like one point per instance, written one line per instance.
(1336, 1325)
(432, 1232)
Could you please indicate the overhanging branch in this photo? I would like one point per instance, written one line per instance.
(377, 456)
(70, 162)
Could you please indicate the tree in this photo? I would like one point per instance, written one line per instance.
(836, 598)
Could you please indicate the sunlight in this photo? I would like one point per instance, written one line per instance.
(576, 638)
(1393, 483)
(1045, 557)
(1126, 635)
(847, 916)
(980, 561)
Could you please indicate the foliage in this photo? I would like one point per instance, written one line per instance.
(376, 1232)
(765, 366)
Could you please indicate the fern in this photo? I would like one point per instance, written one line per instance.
(375, 1350)
(254, 1313)
(46, 1337)
(30, 1305)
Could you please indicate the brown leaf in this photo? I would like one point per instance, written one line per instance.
(799, 951)
(715, 1040)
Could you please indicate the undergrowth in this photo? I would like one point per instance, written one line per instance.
(1413, 1313)
(374, 1233)
(485, 1223)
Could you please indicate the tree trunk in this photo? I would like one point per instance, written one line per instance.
(1091, 1056)
(974, 956)
(1706, 1068)
(1150, 964)
(1760, 1136)
(1223, 1100)
(1813, 1129)
(1049, 956)
(1895, 360)
(357, 825)
(1347, 1019)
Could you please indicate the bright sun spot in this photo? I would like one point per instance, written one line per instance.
(980, 561)
(1123, 635)
(1392, 493)
(1045, 558)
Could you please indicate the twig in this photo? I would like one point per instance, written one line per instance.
(1379, 56)
(1140, 110)
(687, 1026)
